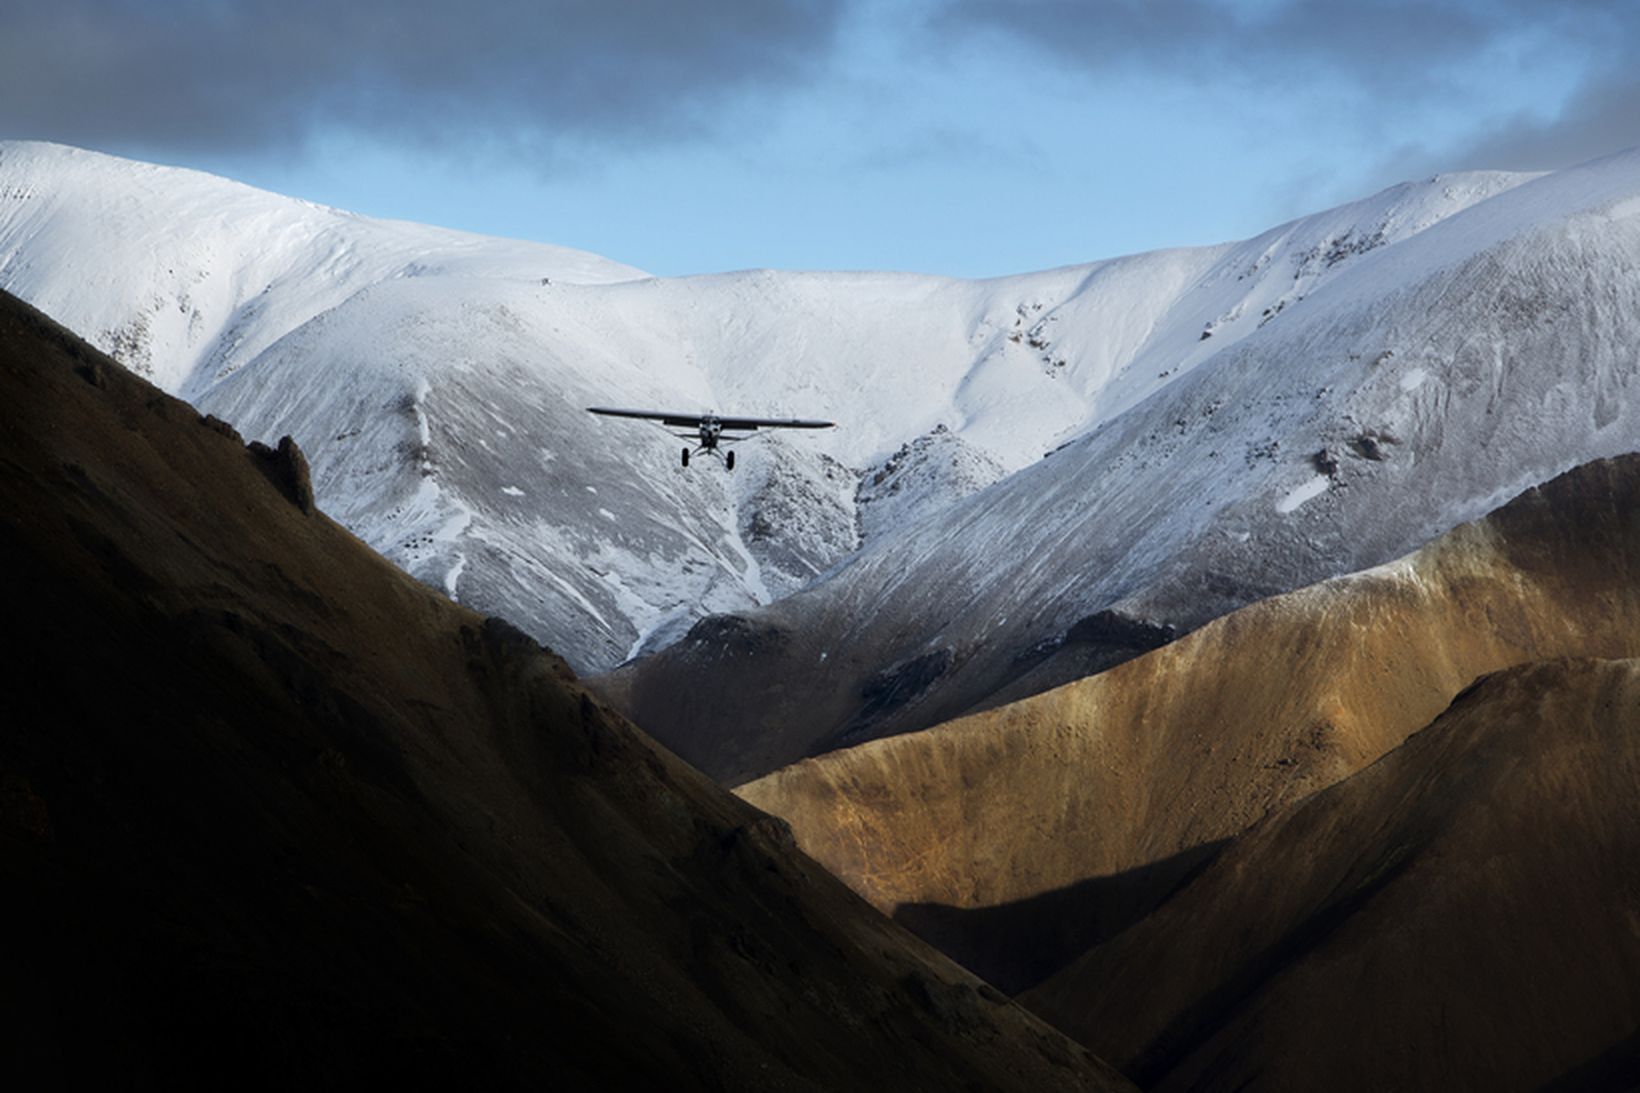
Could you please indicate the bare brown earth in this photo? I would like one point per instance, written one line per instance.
(273, 814)
(1018, 838)
(1464, 914)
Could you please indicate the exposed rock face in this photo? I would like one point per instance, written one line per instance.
(1460, 915)
(1019, 837)
(794, 514)
(285, 466)
(284, 816)
(922, 476)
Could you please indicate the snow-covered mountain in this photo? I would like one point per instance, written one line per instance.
(437, 382)
(1412, 380)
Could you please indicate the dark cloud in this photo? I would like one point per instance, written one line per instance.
(1394, 51)
(1603, 117)
(1209, 40)
(225, 75)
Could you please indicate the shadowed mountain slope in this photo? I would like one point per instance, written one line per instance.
(1460, 915)
(273, 813)
(1017, 838)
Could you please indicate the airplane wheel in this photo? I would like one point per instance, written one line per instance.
(729, 460)
(686, 457)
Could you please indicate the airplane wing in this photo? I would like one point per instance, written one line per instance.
(744, 423)
(665, 417)
(690, 421)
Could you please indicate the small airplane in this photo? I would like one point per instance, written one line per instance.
(709, 429)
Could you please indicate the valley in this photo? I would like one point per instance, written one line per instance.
(1203, 669)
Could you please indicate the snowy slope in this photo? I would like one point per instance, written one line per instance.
(438, 380)
(188, 276)
(1403, 387)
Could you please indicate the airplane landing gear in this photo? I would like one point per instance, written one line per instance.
(729, 460)
(686, 457)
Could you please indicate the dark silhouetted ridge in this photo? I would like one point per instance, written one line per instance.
(274, 814)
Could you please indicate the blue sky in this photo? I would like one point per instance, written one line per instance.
(962, 137)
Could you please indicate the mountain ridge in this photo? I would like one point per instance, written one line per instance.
(408, 360)
(286, 816)
(1425, 383)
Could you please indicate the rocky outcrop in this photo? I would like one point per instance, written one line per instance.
(922, 476)
(287, 468)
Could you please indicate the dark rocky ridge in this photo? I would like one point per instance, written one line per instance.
(283, 816)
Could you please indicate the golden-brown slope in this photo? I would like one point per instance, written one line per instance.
(1017, 837)
(274, 815)
(1463, 914)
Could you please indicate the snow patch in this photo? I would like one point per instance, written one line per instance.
(1310, 490)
